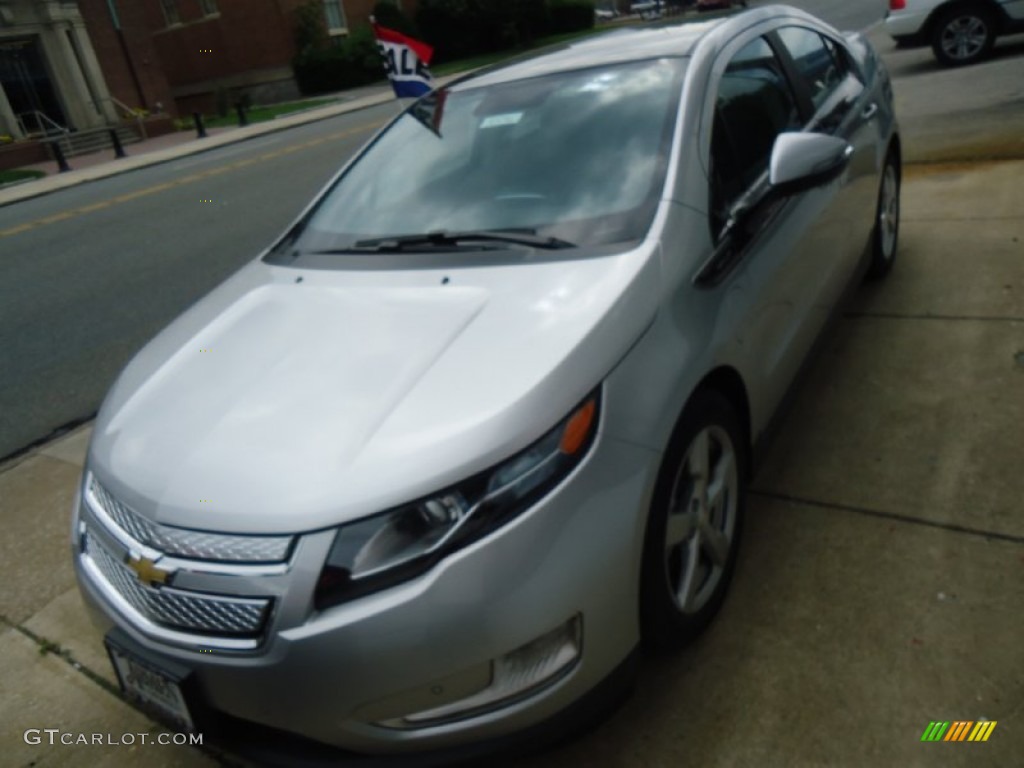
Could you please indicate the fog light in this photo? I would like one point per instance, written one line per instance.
(514, 676)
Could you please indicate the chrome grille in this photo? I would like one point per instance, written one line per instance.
(187, 611)
(196, 545)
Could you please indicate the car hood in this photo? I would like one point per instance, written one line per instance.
(290, 399)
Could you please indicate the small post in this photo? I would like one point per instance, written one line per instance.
(58, 155)
(116, 140)
(243, 119)
(200, 128)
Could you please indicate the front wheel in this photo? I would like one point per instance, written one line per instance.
(694, 523)
(963, 35)
(885, 235)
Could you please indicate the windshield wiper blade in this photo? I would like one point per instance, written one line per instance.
(442, 238)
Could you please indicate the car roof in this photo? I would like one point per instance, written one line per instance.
(676, 38)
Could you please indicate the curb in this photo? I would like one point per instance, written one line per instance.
(158, 157)
(12, 460)
(255, 130)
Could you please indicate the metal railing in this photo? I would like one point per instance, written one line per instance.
(131, 113)
(44, 124)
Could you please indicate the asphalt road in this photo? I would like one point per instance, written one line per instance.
(108, 263)
(112, 261)
(842, 14)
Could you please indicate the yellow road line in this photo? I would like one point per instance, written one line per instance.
(95, 206)
(56, 217)
(190, 179)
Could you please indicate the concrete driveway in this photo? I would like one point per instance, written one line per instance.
(881, 581)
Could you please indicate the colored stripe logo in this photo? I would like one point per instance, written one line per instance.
(959, 730)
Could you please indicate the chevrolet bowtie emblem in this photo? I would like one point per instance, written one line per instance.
(147, 571)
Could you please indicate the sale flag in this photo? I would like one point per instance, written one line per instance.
(405, 61)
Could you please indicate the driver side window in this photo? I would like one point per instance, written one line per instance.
(818, 62)
(754, 105)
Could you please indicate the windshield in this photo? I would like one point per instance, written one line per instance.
(579, 156)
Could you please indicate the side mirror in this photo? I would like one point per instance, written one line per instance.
(802, 161)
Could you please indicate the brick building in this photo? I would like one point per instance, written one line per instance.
(121, 33)
(180, 53)
(50, 76)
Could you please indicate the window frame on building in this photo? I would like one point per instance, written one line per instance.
(209, 7)
(172, 13)
(339, 8)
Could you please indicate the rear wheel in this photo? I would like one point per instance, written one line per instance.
(885, 236)
(694, 524)
(963, 35)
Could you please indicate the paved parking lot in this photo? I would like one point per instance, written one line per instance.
(881, 581)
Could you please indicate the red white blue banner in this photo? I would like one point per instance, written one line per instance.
(405, 61)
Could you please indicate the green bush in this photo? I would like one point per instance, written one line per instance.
(389, 15)
(531, 19)
(310, 28)
(221, 100)
(451, 27)
(571, 16)
(354, 61)
(462, 28)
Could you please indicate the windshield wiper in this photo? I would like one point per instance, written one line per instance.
(443, 238)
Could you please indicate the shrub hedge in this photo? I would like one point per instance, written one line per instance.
(455, 28)
(352, 61)
(571, 16)
(389, 15)
(461, 28)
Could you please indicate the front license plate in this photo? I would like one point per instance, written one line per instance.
(151, 688)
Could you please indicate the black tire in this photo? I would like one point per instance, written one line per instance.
(963, 34)
(885, 236)
(665, 624)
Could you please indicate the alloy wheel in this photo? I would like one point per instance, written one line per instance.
(702, 519)
(888, 213)
(964, 37)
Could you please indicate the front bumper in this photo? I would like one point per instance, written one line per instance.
(272, 747)
(908, 27)
(339, 675)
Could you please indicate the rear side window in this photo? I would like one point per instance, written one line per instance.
(817, 60)
(754, 104)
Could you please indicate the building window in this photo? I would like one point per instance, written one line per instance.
(335, 16)
(209, 7)
(171, 14)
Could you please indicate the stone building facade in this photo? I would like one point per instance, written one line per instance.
(50, 76)
(79, 64)
(180, 53)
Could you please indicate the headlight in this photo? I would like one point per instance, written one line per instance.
(405, 541)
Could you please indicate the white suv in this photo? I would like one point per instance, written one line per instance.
(959, 31)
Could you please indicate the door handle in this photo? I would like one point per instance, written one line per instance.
(869, 111)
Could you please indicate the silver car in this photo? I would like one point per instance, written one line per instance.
(959, 31)
(424, 476)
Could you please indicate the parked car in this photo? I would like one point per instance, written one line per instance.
(959, 31)
(719, 5)
(423, 476)
(649, 9)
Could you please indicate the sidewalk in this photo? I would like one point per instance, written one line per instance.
(172, 146)
(880, 582)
